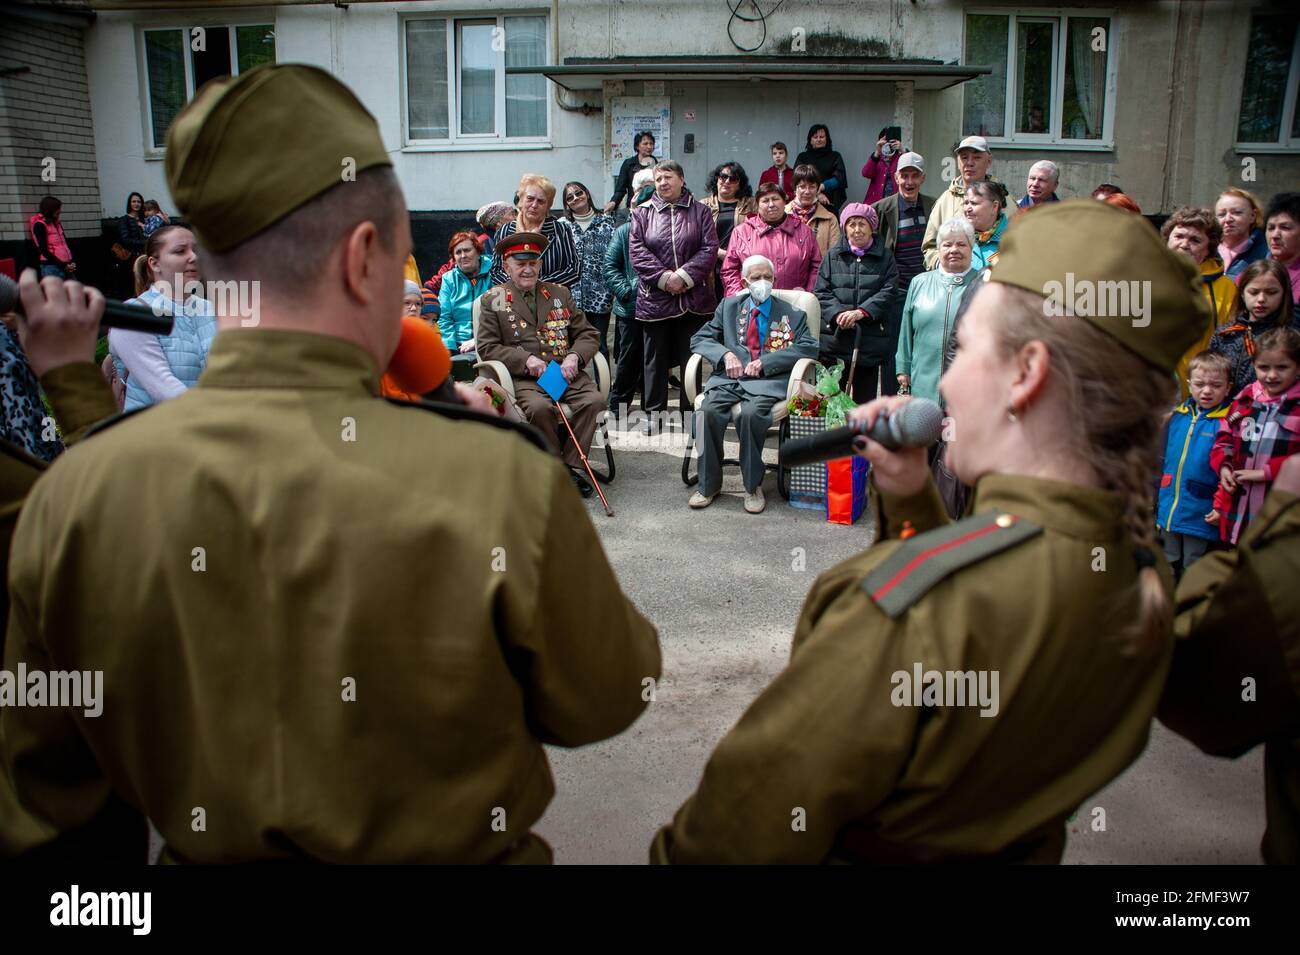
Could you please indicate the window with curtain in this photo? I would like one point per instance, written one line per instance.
(1035, 46)
(164, 52)
(1085, 79)
(1268, 115)
(1052, 79)
(177, 61)
(457, 89)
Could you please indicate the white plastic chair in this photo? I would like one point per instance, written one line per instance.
(597, 368)
(805, 369)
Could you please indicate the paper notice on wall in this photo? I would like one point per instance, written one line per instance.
(630, 115)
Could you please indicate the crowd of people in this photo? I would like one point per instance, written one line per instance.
(889, 275)
(215, 558)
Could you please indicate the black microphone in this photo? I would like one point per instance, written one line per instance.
(917, 424)
(132, 318)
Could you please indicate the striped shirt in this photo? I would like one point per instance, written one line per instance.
(907, 246)
(561, 263)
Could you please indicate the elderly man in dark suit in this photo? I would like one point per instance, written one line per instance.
(753, 342)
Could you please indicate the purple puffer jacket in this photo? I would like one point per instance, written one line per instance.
(664, 238)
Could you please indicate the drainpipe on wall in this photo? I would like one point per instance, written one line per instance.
(1179, 72)
(584, 108)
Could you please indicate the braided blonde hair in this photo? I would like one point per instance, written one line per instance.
(1122, 400)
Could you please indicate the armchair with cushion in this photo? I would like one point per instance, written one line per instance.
(597, 368)
(698, 370)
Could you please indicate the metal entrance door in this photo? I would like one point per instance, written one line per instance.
(738, 122)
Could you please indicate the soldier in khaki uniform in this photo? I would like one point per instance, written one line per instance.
(1235, 681)
(331, 627)
(955, 691)
(526, 324)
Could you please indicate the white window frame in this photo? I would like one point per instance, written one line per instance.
(1285, 143)
(187, 33)
(457, 141)
(1060, 16)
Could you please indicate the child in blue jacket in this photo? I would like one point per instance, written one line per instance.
(1185, 507)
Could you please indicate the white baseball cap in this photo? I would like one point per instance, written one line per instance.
(977, 143)
(911, 161)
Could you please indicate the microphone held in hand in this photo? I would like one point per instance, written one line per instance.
(421, 364)
(133, 318)
(916, 424)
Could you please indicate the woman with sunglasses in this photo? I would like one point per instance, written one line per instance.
(592, 232)
(731, 200)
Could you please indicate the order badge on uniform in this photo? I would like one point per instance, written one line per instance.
(552, 381)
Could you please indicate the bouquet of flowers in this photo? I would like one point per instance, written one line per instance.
(806, 403)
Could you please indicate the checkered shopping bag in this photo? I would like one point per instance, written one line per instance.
(808, 481)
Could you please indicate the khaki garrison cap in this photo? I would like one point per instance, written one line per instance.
(249, 150)
(1090, 259)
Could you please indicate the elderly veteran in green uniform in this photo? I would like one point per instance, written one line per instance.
(249, 564)
(526, 324)
(1235, 681)
(957, 690)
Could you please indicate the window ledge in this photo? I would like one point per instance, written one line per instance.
(155, 155)
(1267, 149)
(1089, 147)
(484, 147)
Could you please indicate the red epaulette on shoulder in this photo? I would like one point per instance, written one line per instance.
(921, 562)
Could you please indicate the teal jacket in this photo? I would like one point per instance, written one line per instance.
(620, 277)
(929, 314)
(456, 303)
(985, 252)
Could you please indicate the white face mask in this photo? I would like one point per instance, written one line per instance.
(760, 291)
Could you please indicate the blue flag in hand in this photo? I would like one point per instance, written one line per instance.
(552, 381)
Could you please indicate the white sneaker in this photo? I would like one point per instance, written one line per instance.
(698, 500)
(755, 502)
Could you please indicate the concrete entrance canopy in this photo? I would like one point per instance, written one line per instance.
(588, 73)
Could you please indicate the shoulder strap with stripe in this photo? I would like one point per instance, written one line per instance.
(460, 412)
(922, 562)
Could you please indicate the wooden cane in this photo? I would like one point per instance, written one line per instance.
(585, 463)
(853, 365)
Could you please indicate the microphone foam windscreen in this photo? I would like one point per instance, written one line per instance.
(918, 423)
(421, 362)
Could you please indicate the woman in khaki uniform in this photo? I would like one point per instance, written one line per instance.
(1235, 679)
(957, 690)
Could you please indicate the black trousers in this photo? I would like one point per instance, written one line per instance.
(667, 343)
(601, 321)
(867, 380)
(629, 364)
